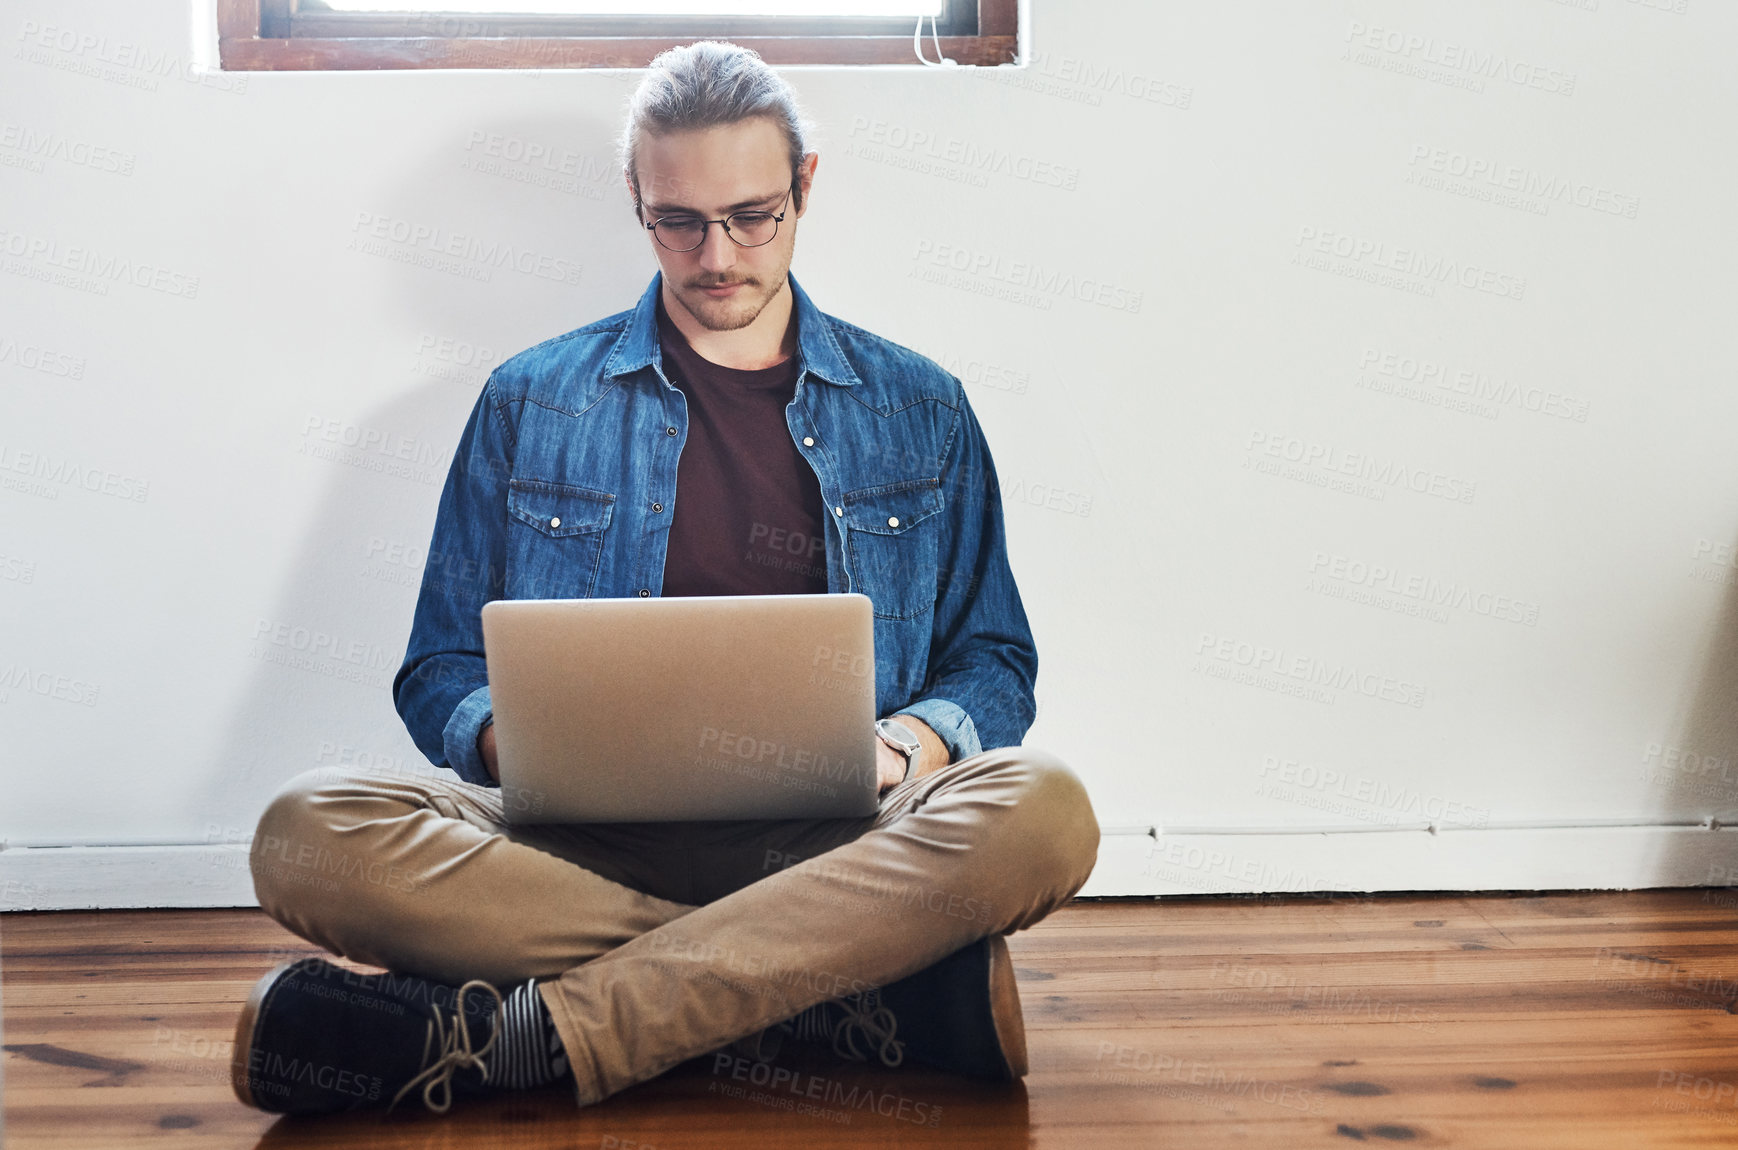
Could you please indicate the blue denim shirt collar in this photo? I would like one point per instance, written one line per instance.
(547, 498)
(818, 352)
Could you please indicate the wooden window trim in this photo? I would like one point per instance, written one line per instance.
(276, 36)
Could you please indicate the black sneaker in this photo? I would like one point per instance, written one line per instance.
(315, 1038)
(962, 1015)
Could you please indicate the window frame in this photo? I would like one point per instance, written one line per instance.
(278, 36)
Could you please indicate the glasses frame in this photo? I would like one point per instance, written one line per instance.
(706, 226)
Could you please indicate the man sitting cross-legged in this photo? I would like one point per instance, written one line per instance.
(810, 457)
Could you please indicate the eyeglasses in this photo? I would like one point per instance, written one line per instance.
(685, 233)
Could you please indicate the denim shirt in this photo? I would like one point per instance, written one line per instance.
(564, 480)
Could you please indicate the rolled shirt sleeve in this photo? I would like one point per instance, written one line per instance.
(441, 690)
(459, 737)
(983, 664)
(950, 723)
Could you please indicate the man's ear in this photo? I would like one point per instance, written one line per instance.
(805, 180)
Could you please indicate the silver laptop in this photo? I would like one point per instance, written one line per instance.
(688, 708)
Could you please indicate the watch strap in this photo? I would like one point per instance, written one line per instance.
(910, 748)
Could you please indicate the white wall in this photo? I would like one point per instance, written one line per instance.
(1262, 178)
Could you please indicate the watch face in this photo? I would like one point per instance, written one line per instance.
(899, 734)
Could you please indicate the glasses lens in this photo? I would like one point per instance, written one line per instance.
(751, 229)
(680, 233)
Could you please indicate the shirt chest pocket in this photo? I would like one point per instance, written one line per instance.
(555, 537)
(893, 545)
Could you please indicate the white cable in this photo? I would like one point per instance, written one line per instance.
(940, 61)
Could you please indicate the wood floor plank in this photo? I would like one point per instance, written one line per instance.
(1527, 1021)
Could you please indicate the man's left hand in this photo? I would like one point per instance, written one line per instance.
(890, 764)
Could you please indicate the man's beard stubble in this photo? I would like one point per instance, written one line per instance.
(732, 314)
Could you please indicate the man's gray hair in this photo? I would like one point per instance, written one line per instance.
(703, 85)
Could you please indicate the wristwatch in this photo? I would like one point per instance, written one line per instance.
(899, 736)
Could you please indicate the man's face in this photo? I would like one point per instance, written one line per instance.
(737, 167)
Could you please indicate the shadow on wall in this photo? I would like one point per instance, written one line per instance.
(1696, 771)
(325, 648)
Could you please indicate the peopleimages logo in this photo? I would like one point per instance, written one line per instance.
(33, 357)
(1154, 1066)
(1088, 81)
(1360, 466)
(1392, 798)
(67, 473)
(1024, 276)
(1484, 391)
(1472, 63)
(1520, 180)
(273, 1070)
(749, 748)
(37, 145)
(1261, 658)
(372, 231)
(1361, 251)
(92, 268)
(805, 1089)
(117, 61)
(1423, 589)
(16, 676)
(968, 155)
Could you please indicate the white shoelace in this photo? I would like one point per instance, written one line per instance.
(455, 1051)
(864, 1014)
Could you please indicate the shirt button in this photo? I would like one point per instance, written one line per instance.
(669, 431)
(893, 521)
(645, 594)
(808, 441)
(838, 511)
(555, 522)
(657, 507)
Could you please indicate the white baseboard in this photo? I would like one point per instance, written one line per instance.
(1130, 863)
(115, 878)
(1559, 858)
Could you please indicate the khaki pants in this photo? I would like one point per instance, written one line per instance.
(663, 941)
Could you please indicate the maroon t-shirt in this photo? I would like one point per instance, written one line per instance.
(748, 516)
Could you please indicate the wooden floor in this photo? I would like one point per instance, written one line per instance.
(1563, 1020)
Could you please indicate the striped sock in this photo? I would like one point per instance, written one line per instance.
(816, 1024)
(528, 1052)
